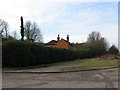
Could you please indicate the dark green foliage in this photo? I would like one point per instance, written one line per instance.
(85, 53)
(113, 50)
(98, 48)
(18, 54)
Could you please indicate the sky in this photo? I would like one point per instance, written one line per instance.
(76, 18)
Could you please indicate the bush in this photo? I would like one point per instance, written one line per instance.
(113, 50)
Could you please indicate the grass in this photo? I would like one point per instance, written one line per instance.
(77, 65)
(88, 64)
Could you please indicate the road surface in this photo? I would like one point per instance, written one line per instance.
(107, 78)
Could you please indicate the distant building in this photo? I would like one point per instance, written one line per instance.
(60, 43)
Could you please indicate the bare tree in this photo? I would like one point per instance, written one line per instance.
(36, 33)
(4, 28)
(2, 25)
(94, 36)
(27, 29)
(32, 32)
(14, 34)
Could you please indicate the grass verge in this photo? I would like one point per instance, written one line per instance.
(77, 65)
(89, 64)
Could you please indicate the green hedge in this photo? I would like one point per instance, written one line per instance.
(19, 54)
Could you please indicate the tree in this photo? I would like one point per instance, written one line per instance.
(14, 34)
(22, 29)
(94, 36)
(1, 26)
(4, 28)
(27, 29)
(32, 32)
(97, 43)
(79, 46)
(113, 50)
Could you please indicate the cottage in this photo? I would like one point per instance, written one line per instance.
(60, 43)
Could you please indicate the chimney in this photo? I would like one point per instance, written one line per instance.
(58, 38)
(67, 38)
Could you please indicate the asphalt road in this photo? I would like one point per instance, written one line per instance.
(107, 78)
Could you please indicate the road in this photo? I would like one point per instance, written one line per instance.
(107, 78)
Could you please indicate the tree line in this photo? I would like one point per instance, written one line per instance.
(97, 44)
(31, 32)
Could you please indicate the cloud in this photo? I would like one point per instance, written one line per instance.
(111, 34)
(72, 17)
(78, 38)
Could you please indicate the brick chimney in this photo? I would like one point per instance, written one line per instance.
(67, 38)
(58, 38)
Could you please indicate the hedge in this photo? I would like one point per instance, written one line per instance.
(19, 54)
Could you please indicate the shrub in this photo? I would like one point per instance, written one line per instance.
(113, 50)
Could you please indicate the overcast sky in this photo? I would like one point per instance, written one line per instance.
(73, 17)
